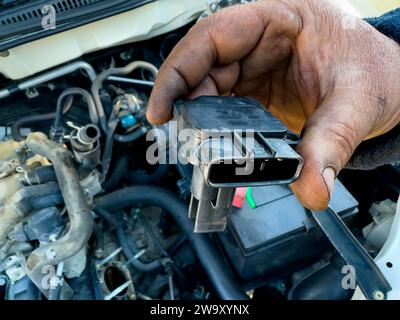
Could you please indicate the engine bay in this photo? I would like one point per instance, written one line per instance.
(84, 216)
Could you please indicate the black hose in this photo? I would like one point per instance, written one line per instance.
(111, 221)
(126, 248)
(219, 274)
(106, 101)
(130, 137)
(141, 177)
(58, 121)
(109, 144)
(42, 175)
(40, 196)
(23, 201)
(118, 172)
(134, 177)
(53, 198)
(17, 125)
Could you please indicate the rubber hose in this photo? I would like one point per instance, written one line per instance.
(130, 137)
(79, 213)
(220, 275)
(71, 92)
(141, 177)
(118, 172)
(16, 127)
(42, 175)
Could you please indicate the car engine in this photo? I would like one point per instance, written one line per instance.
(84, 216)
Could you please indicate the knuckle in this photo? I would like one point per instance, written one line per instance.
(344, 136)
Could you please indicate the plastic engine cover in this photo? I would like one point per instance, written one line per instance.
(273, 230)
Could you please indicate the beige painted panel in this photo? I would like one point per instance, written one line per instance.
(369, 8)
(142, 23)
(139, 24)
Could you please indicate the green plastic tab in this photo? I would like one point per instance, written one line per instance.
(249, 198)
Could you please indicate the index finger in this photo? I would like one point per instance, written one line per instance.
(221, 39)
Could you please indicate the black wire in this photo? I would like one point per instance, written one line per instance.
(177, 245)
(122, 239)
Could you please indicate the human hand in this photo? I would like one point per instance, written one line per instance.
(324, 73)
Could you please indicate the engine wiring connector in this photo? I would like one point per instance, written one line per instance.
(231, 142)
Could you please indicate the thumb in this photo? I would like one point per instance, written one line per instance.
(330, 137)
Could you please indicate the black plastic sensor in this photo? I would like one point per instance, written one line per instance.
(236, 142)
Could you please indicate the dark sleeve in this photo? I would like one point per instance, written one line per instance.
(388, 24)
(386, 148)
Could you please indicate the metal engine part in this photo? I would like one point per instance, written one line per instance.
(378, 231)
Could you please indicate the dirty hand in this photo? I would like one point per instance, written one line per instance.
(326, 74)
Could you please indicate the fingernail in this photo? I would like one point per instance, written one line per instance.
(329, 177)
